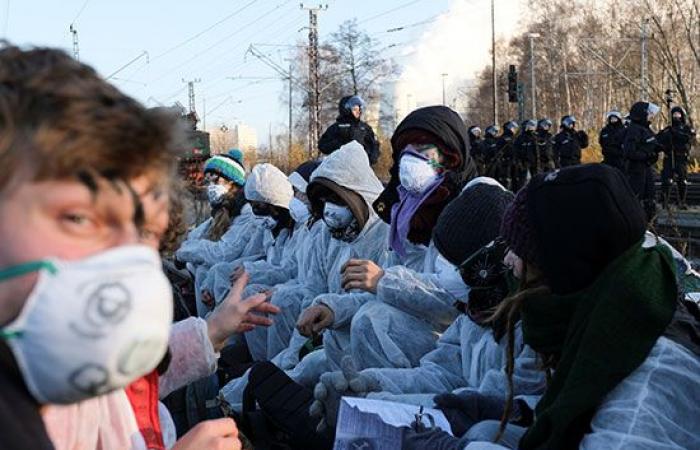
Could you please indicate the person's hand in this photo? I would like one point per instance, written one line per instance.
(361, 274)
(237, 315)
(219, 434)
(431, 439)
(237, 273)
(208, 299)
(314, 320)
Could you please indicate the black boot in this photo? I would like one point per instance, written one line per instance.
(682, 192)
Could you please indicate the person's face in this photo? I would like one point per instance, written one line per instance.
(212, 178)
(262, 209)
(356, 111)
(677, 116)
(68, 220)
(431, 152)
(515, 263)
(614, 119)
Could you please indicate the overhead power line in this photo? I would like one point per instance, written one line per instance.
(209, 28)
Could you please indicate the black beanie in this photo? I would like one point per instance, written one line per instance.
(307, 168)
(579, 219)
(470, 221)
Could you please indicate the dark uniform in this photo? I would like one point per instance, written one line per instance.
(568, 143)
(503, 159)
(525, 160)
(640, 149)
(476, 150)
(489, 150)
(610, 138)
(349, 128)
(544, 144)
(676, 141)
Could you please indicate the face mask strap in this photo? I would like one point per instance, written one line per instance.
(10, 334)
(26, 268)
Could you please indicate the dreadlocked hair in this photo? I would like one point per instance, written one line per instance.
(509, 309)
(223, 215)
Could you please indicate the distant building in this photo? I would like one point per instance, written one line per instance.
(245, 137)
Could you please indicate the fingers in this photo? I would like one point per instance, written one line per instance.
(355, 285)
(225, 427)
(256, 319)
(267, 308)
(245, 327)
(308, 317)
(353, 263)
(238, 286)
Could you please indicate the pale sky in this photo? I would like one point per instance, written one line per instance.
(207, 40)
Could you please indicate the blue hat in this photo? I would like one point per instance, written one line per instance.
(229, 166)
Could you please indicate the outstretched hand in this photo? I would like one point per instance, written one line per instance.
(237, 315)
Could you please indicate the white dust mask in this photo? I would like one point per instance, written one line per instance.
(91, 326)
(336, 216)
(299, 211)
(416, 174)
(215, 193)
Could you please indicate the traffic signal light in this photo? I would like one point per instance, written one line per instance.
(512, 84)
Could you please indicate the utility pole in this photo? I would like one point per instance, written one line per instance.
(289, 137)
(190, 92)
(443, 75)
(493, 62)
(533, 85)
(643, 63)
(204, 113)
(314, 90)
(76, 51)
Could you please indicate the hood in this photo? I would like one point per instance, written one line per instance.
(346, 171)
(639, 113)
(684, 116)
(345, 114)
(449, 129)
(266, 183)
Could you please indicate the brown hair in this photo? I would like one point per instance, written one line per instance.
(59, 119)
(530, 286)
(177, 225)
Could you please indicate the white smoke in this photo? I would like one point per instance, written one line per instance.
(458, 43)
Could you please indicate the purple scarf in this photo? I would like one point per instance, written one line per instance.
(403, 211)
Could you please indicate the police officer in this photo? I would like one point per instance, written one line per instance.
(675, 141)
(503, 159)
(544, 144)
(525, 159)
(610, 139)
(568, 143)
(641, 150)
(348, 127)
(489, 147)
(476, 144)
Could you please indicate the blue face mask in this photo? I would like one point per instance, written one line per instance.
(337, 217)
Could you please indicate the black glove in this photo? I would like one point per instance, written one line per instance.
(467, 408)
(432, 439)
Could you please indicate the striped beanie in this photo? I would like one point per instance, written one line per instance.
(228, 165)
